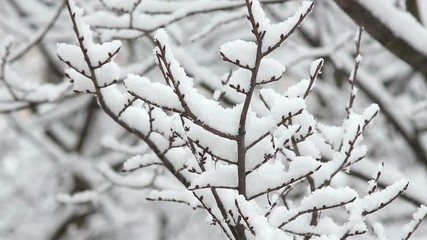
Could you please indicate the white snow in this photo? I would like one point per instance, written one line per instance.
(256, 127)
(282, 107)
(332, 134)
(273, 175)
(150, 92)
(314, 65)
(270, 69)
(114, 99)
(402, 23)
(373, 182)
(73, 55)
(206, 110)
(375, 200)
(136, 118)
(417, 217)
(241, 52)
(228, 177)
(240, 78)
(130, 181)
(100, 53)
(80, 82)
(328, 196)
(274, 32)
(297, 90)
(378, 229)
(48, 92)
(138, 161)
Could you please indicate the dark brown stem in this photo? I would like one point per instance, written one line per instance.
(353, 75)
(83, 136)
(315, 214)
(241, 147)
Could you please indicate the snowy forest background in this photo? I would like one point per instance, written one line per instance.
(68, 170)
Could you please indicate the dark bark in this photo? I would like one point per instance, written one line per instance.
(383, 34)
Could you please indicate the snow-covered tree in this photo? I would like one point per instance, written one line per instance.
(260, 158)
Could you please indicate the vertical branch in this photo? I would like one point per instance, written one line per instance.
(241, 148)
(83, 136)
(353, 74)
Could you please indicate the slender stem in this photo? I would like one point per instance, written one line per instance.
(352, 78)
(83, 136)
(241, 146)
